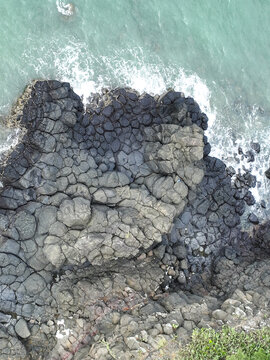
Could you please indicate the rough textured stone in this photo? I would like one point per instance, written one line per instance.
(21, 329)
(115, 222)
(25, 224)
(75, 213)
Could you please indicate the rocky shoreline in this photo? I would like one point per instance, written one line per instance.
(118, 231)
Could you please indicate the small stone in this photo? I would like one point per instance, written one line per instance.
(141, 257)
(219, 315)
(267, 173)
(250, 156)
(181, 278)
(115, 318)
(239, 313)
(144, 336)
(132, 327)
(240, 150)
(184, 264)
(231, 171)
(189, 325)
(182, 335)
(180, 251)
(255, 146)
(173, 301)
(21, 329)
(171, 272)
(132, 343)
(125, 320)
(153, 333)
(167, 329)
(159, 328)
(159, 251)
(253, 218)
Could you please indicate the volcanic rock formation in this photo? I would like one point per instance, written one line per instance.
(102, 212)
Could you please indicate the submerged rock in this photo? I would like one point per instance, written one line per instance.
(255, 146)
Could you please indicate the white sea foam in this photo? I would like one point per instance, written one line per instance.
(225, 146)
(87, 74)
(66, 9)
(9, 139)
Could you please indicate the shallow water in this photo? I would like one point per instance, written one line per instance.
(217, 51)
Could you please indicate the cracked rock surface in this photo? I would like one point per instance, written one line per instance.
(102, 211)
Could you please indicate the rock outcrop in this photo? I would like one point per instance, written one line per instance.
(108, 216)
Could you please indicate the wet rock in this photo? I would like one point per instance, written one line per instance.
(249, 156)
(253, 218)
(267, 173)
(240, 150)
(249, 199)
(256, 147)
(231, 171)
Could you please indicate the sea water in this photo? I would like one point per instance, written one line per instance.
(216, 51)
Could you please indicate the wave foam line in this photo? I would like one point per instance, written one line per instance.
(89, 73)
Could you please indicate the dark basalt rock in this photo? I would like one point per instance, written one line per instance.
(261, 237)
(253, 219)
(267, 173)
(103, 210)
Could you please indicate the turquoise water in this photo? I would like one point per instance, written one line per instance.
(217, 51)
